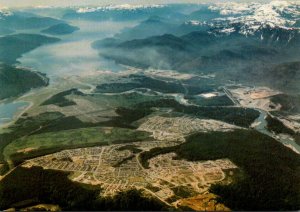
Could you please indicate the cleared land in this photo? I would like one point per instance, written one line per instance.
(257, 97)
(175, 128)
(71, 133)
(73, 138)
(166, 179)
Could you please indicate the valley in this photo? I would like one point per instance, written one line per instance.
(101, 108)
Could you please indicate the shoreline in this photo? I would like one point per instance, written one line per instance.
(17, 115)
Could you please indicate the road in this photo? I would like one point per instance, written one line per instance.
(262, 125)
(230, 96)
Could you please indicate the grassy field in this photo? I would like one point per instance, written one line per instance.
(74, 137)
(118, 100)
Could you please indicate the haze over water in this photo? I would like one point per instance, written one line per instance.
(73, 55)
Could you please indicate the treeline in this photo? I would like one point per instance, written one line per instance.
(15, 81)
(277, 126)
(145, 156)
(142, 81)
(15, 45)
(243, 117)
(61, 100)
(54, 122)
(289, 103)
(272, 171)
(29, 186)
(193, 86)
(45, 122)
(214, 101)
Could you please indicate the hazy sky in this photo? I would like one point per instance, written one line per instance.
(27, 3)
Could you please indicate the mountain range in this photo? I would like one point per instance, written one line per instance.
(231, 39)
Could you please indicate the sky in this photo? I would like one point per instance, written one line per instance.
(29, 3)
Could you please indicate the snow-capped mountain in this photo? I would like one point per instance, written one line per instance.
(195, 23)
(4, 12)
(116, 7)
(250, 18)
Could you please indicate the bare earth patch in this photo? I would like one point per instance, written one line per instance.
(175, 128)
(203, 202)
(117, 170)
(257, 97)
(26, 150)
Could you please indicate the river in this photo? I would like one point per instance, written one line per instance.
(261, 126)
(73, 55)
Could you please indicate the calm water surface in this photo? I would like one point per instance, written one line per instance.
(9, 110)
